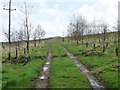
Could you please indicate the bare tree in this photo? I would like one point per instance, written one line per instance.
(115, 27)
(77, 28)
(104, 28)
(87, 32)
(94, 32)
(98, 33)
(83, 25)
(70, 31)
(15, 40)
(26, 11)
(40, 32)
(20, 35)
(35, 36)
(74, 32)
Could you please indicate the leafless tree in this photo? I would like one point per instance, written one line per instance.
(98, 33)
(115, 27)
(104, 28)
(15, 40)
(35, 37)
(74, 32)
(70, 31)
(26, 11)
(87, 32)
(94, 32)
(77, 28)
(20, 36)
(40, 32)
(83, 25)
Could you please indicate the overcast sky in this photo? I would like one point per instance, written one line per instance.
(55, 15)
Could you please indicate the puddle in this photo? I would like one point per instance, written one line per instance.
(45, 68)
(47, 63)
(42, 78)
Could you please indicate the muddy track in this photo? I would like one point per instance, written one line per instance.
(42, 81)
(95, 84)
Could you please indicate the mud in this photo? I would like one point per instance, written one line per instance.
(42, 81)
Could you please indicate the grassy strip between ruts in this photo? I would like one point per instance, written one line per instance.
(65, 74)
(57, 50)
(101, 66)
(18, 76)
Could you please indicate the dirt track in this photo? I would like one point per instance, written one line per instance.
(42, 80)
(95, 84)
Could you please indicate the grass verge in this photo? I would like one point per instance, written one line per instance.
(65, 74)
(18, 76)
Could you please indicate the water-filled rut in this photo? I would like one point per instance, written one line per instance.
(42, 81)
(95, 84)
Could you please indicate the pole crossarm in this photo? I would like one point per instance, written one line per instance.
(9, 9)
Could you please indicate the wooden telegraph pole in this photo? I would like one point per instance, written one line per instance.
(9, 33)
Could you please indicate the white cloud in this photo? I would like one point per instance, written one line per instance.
(53, 20)
(101, 10)
(1, 34)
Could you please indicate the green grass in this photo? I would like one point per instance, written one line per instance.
(20, 76)
(63, 69)
(65, 74)
(100, 66)
(74, 47)
(39, 50)
(57, 49)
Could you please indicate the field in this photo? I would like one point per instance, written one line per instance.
(14, 74)
(102, 66)
(64, 72)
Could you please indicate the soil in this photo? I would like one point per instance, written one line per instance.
(17, 60)
(21, 60)
(43, 83)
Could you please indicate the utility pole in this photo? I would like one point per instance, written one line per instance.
(9, 33)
